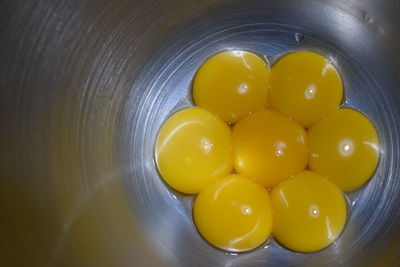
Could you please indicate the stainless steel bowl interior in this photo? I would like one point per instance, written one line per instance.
(85, 86)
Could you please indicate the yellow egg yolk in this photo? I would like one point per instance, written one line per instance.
(345, 148)
(309, 212)
(269, 147)
(193, 149)
(234, 214)
(305, 86)
(231, 84)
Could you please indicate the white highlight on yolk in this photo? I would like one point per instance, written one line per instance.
(240, 163)
(238, 53)
(206, 145)
(246, 210)
(314, 211)
(279, 149)
(326, 69)
(374, 146)
(239, 239)
(243, 88)
(331, 236)
(300, 139)
(282, 195)
(346, 147)
(310, 92)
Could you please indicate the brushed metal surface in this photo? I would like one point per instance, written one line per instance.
(85, 86)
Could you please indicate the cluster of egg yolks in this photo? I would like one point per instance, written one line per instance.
(309, 212)
(269, 147)
(305, 86)
(234, 213)
(193, 149)
(232, 84)
(269, 150)
(344, 147)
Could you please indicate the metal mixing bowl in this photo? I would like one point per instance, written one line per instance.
(85, 86)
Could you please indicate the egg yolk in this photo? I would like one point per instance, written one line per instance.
(345, 148)
(234, 214)
(193, 148)
(305, 86)
(309, 212)
(269, 147)
(231, 84)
